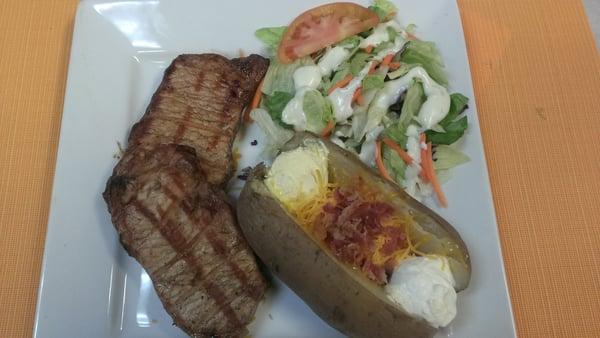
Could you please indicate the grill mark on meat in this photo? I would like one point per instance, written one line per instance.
(200, 82)
(177, 181)
(180, 255)
(180, 132)
(220, 248)
(215, 243)
(212, 114)
(188, 114)
(215, 292)
(174, 238)
(197, 125)
(239, 274)
(166, 199)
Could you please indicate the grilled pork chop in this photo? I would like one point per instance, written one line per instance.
(199, 104)
(166, 200)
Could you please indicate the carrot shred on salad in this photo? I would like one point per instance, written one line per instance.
(357, 97)
(369, 49)
(387, 59)
(255, 101)
(401, 152)
(429, 173)
(379, 162)
(340, 84)
(395, 65)
(372, 68)
(328, 128)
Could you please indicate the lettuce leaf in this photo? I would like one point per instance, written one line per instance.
(448, 157)
(385, 9)
(383, 46)
(454, 127)
(279, 76)
(375, 115)
(404, 68)
(415, 97)
(317, 109)
(276, 135)
(350, 42)
(342, 72)
(392, 33)
(373, 81)
(394, 164)
(358, 62)
(426, 54)
(276, 103)
(270, 36)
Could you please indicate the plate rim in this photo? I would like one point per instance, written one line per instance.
(75, 49)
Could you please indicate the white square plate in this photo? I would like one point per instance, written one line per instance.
(91, 288)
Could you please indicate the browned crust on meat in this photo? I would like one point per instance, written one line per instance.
(199, 104)
(177, 226)
(166, 200)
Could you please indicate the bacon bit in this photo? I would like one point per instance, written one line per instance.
(372, 68)
(395, 65)
(340, 84)
(369, 49)
(255, 101)
(387, 59)
(396, 239)
(374, 272)
(350, 226)
(401, 152)
(328, 128)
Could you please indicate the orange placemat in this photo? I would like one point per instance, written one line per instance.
(536, 73)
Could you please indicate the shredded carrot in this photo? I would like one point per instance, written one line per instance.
(401, 152)
(328, 128)
(361, 99)
(342, 83)
(379, 162)
(372, 68)
(387, 59)
(357, 97)
(429, 173)
(255, 101)
(369, 49)
(395, 65)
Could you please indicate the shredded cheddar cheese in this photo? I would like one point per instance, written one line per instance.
(307, 211)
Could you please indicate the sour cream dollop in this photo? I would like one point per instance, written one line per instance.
(424, 287)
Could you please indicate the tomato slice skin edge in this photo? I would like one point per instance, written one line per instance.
(323, 26)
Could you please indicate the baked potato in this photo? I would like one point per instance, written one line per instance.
(351, 300)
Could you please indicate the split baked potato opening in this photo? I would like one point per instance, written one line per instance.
(363, 235)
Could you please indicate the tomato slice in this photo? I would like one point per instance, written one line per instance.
(322, 26)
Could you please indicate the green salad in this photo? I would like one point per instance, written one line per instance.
(380, 93)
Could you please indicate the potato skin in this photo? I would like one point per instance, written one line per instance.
(329, 289)
(341, 296)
